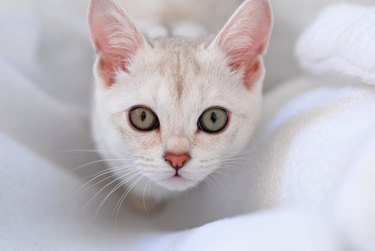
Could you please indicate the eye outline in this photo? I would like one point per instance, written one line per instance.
(157, 124)
(201, 128)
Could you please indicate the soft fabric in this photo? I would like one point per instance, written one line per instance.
(308, 122)
(341, 40)
(291, 18)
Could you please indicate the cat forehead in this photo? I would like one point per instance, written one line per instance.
(180, 59)
(178, 62)
(177, 55)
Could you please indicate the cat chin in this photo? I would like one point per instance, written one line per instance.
(145, 205)
(177, 184)
(151, 201)
(162, 190)
(149, 196)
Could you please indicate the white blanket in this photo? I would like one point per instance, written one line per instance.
(45, 65)
(341, 40)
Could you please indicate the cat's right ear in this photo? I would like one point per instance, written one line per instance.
(244, 39)
(115, 37)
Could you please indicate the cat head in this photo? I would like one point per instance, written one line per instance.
(175, 109)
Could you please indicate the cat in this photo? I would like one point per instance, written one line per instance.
(172, 102)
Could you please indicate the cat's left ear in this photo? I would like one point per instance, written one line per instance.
(245, 37)
(115, 38)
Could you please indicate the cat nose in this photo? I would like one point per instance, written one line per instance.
(177, 161)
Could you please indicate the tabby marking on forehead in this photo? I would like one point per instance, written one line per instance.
(179, 61)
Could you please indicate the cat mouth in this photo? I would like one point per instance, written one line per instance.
(177, 182)
(178, 177)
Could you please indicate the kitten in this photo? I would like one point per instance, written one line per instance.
(172, 103)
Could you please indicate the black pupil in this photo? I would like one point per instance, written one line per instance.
(143, 116)
(213, 117)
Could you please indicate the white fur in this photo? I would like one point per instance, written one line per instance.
(178, 78)
(112, 106)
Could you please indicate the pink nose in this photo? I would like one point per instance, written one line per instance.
(177, 161)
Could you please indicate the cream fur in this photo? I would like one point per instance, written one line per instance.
(178, 78)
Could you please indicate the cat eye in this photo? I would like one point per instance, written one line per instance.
(213, 120)
(143, 119)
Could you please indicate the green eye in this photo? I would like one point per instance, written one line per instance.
(143, 119)
(213, 120)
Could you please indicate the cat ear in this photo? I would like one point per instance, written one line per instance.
(244, 39)
(115, 37)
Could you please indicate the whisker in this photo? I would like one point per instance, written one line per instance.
(207, 166)
(247, 153)
(231, 167)
(88, 151)
(108, 170)
(122, 198)
(96, 162)
(97, 183)
(99, 152)
(147, 164)
(228, 159)
(224, 175)
(143, 197)
(87, 185)
(220, 182)
(210, 183)
(102, 189)
(233, 163)
(243, 155)
(236, 162)
(234, 181)
(111, 192)
(236, 159)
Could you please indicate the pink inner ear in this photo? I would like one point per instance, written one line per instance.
(245, 38)
(115, 37)
(252, 74)
(107, 70)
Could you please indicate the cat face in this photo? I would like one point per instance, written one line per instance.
(177, 108)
